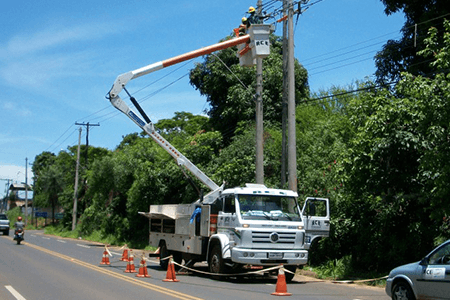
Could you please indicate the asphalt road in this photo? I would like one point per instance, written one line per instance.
(49, 267)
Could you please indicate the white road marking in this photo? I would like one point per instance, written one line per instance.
(61, 241)
(84, 246)
(14, 292)
(32, 235)
(45, 238)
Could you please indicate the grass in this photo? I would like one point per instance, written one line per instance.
(340, 269)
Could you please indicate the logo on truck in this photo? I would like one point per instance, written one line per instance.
(274, 237)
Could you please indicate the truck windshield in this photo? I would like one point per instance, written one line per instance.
(267, 207)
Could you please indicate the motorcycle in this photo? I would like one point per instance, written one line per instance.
(18, 236)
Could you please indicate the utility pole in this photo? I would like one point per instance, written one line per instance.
(284, 100)
(26, 190)
(87, 138)
(292, 145)
(4, 203)
(75, 192)
(259, 164)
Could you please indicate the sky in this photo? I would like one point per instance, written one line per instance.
(58, 60)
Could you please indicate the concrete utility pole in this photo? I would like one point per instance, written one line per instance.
(259, 164)
(87, 138)
(26, 190)
(292, 144)
(75, 192)
(284, 100)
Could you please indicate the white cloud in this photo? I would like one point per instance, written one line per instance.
(14, 109)
(49, 38)
(36, 60)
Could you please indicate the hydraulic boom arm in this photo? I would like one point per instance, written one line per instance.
(145, 124)
(123, 79)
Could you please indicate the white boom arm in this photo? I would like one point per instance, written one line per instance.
(118, 103)
(150, 130)
(123, 79)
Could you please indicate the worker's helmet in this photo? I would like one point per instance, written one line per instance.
(244, 19)
(19, 218)
(251, 9)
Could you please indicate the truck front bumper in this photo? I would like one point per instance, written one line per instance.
(266, 257)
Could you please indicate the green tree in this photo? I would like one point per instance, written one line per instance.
(397, 168)
(231, 94)
(402, 55)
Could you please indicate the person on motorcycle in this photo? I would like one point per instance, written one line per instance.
(19, 225)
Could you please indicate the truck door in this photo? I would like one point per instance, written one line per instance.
(316, 218)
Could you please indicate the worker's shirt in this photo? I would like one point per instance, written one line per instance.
(253, 19)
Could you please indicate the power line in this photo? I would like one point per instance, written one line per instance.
(276, 12)
(59, 137)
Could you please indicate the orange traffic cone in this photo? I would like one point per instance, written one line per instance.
(105, 259)
(130, 266)
(125, 254)
(281, 288)
(142, 268)
(171, 272)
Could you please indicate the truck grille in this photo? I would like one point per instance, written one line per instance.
(264, 237)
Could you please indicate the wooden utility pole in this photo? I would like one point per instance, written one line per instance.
(75, 192)
(292, 145)
(259, 164)
(87, 139)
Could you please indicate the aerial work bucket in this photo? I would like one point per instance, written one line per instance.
(259, 40)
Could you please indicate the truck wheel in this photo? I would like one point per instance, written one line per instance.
(163, 253)
(178, 258)
(216, 264)
(288, 275)
(6, 232)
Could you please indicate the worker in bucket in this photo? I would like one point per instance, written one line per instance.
(253, 18)
(243, 27)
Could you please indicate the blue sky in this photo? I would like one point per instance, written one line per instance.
(58, 59)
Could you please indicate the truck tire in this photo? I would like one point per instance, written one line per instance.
(215, 263)
(163, 253)
(288, 275)
(178, 258)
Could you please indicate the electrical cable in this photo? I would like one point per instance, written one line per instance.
(59, 145)
(277, 11)
(59, 137)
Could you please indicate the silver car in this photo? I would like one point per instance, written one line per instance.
(4, 224)
(426, 279)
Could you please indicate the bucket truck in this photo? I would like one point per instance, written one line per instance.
(235, 228)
